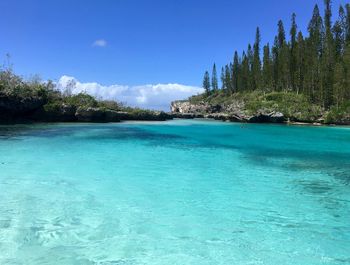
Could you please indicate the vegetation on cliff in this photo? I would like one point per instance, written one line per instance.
(295, 107)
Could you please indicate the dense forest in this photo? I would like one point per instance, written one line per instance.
(316, 66)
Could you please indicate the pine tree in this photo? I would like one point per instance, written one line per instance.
(235, 72)
(328, 58)
(256, 65)
(250, 57)
(281, 34)
(245, 74)
(214, 79)
(338, 39)
(206, 82)
(228, 81)
(283, 59)
(314, 50)
(231, 77)
(343, 22)
(267, 69)
(275, 62)
(300, 64)
(293, 56)
(347, 25)
(222, 77)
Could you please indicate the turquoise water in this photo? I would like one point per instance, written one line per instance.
(178, 192)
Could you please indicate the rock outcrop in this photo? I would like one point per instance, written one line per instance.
(272, 117)
(90, 115)
(234, 112)
(186, 107)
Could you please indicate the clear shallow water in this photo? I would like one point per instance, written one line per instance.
(178, 192)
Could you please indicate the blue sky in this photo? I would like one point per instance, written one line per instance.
(146, 41)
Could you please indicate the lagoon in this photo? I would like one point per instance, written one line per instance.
(176, 192)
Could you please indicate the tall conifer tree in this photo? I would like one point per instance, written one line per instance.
(222, 78)
(235, 72)
(206, 82)
(328, 57)
(256, 67)
(293, 56)
(300, 64)
(214, 79)
(267, 69)
(314, 51)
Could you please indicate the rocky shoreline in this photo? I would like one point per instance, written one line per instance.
(235, 112)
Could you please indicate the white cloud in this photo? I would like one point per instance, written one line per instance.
(100, 43)
(144, 96)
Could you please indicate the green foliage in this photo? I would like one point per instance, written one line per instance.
(256, 64)
(110, 105)
(295, 107)
(53, 107)
(137, 112)
(216, 97)
(13, 85)
(81, 100)
(214, 79)
(338, 114)
(235, 72)
(198, 98)
(206, 82)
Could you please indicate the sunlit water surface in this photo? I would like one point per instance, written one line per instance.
(178, 192)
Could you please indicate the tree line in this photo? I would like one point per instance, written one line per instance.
(316, 65)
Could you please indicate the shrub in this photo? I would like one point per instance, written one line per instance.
(338, 113)
(14, 86)
(110, 105)
(81, 100)
(52, 107)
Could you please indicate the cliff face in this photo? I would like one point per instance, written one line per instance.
(234, 112)
(185, 107)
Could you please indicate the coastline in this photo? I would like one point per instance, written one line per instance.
(240, 111)
(21, 110)
(160, 121)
